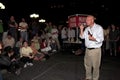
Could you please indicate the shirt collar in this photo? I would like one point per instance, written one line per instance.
(94, 25)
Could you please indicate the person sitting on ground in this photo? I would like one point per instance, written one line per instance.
(37, 55)
(9, 41)
(36, 40)
(26, 54)
(52, 43)
(12, 64)
(18, 45)
(45, 48)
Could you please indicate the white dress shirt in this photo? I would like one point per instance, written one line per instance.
(97, 32)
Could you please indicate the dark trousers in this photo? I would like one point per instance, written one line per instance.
(26, 59)
(14, 66)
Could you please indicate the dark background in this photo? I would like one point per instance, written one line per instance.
(106, 11)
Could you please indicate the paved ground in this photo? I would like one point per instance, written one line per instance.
(66, 66)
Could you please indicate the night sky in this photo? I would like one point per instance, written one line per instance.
(106, 11)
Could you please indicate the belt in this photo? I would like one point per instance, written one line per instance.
(91, 48)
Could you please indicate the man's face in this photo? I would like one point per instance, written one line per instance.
(89, 21)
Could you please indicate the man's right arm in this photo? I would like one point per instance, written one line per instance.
(81, 31)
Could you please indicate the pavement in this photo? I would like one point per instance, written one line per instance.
(65, 65)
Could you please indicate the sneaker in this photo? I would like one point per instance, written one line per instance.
(25, 65)
(30, 64)
(54, 50)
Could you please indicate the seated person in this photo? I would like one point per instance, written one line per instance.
(9, 41)
(52, 43)
(26, 54)
(36, 40)
(45, 47)
(11, 62)
(37, 55)
(18, 45)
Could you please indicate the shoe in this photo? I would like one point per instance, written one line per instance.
(54, 50)
(25, 65)
(30, 64)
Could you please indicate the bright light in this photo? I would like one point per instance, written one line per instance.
(2, 6)
(42, 20)
(34, 15)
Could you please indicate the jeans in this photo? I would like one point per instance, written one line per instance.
(24, 35)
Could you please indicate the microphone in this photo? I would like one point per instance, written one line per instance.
(89, 33)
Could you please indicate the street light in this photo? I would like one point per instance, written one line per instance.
(34, 15)
(2, 6)
(42, 20)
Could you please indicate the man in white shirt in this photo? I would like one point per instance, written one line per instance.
(54, 33)
(94, 37)
(23, 29)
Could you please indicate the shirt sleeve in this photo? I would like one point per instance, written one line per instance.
(100, 35)
(84, 34)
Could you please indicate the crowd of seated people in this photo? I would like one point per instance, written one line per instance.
(21, 54)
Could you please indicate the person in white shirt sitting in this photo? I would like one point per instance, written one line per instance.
(26, 54)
